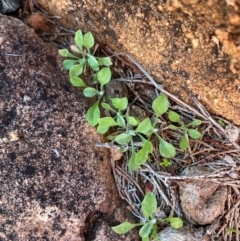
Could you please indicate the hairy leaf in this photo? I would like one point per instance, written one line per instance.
(125, 227)
(76, 81)
(89, 92)
(67, 64)
(66, 53)
(104, 76)
(194, 133)
(166, 149)
(175, 222)
(76, 70)
(184, 142)
(160, 104)
(93, 114)
(106, 61)
(79, 39)
(149, 205)
(174, 116)
(88, 41)
(123, 138)
(105, 123)
(120, 103)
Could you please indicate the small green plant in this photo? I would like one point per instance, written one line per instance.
(186, 129)
(132, 128)
(78, 63)
(150, 224)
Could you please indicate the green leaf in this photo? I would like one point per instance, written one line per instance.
(145, 238)
(106, 106)
(133, 121)
(120, 120)
(120, 103)
(145, 126)
(146, 229)
(76, 70)
(123, 138)
(106, 61)
(76, 81)
(166, 149)
(160, 104)
(93, 114)
(173, 127)
(165, 162)
(105, 123)
(194, 133)
(221, 123)
(104, 76)
(175, 222)
(89, 92)
(79, 39)
(133, 166)
(174, 116)
(184, 142)
(66, 53)
(142, 155)
(67, 64)
(149, 205)
(88, 41)
(232, 230)
(92, 62)
(125, 227)
(196, 122)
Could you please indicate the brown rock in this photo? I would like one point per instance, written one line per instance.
(183, 234)
(202, 201)
(178, 42)
(55, 184)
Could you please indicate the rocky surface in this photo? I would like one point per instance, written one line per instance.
(54, 183)
(202, 201)
(181, 43)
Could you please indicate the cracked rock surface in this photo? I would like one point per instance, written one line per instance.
(54, 183)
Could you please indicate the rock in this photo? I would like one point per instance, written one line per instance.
(55, 184)
(183, 234)
(202, 201)
(180, 43)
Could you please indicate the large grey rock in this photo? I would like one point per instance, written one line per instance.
(54, 183)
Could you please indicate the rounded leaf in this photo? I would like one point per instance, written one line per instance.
(160, 105)
(88, 40)
(120, 103)
(76, 81)
(166, 149)
(93, 63)
(175, 222)
(105, 123)
(76, 70)
(145, 126)
(174, 116)
(89, 92)
(106, 61)
(132, 165)
(194, 133)
(133, 121)
(93, 114)
(104, 76)
(149, 205)
(67, 64)
(123, 138)
(146, 229)
(106, 106)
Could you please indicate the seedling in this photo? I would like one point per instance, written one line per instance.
(187, 130)
(78, 63)
(131, 128)
(149, 229)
